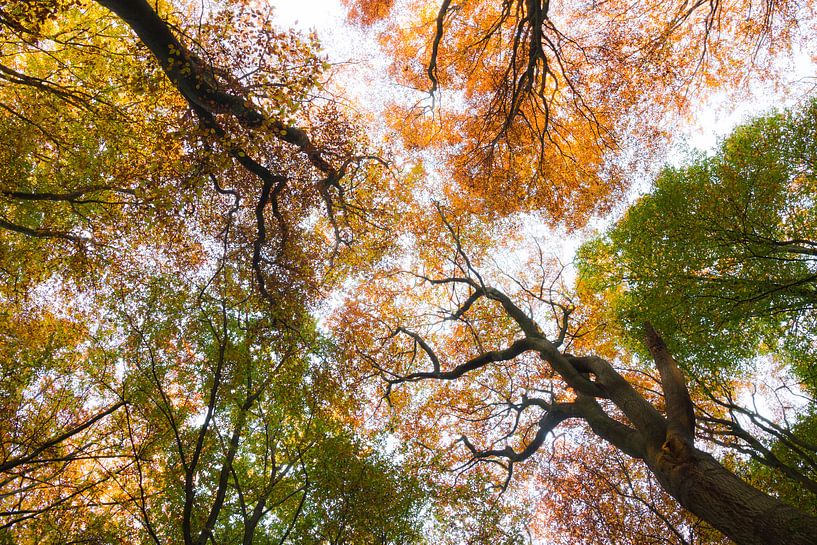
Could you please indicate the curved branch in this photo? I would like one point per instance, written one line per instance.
(435, 361)
(635, 407)
(556, 414)
(14, 462)
(517, 348)
(188, 74)
(435, 47)
(71, 196)
(628, 440)
(38, 233)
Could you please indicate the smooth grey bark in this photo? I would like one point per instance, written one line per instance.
(693, 477)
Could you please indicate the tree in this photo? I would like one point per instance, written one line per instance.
(512, 381)
(720, 254)
(719, 257)
(181, 204)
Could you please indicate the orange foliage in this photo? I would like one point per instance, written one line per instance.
(368, 12)
(528, 104)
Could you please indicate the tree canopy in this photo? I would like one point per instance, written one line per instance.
(720, 255)
(239, 305)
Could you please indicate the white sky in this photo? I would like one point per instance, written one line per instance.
(306, 14)
(341, 42)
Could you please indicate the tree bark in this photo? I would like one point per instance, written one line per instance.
(666, 444)
(737, 509)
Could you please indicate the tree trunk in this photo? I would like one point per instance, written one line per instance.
(740, 511)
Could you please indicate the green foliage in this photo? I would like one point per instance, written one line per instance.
(722, 255)
(803, 439)
(356, 496)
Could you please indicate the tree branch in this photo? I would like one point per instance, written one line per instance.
(679, 408)
(14, 462)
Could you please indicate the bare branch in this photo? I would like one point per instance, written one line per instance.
(517, 348)
(14, 462)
